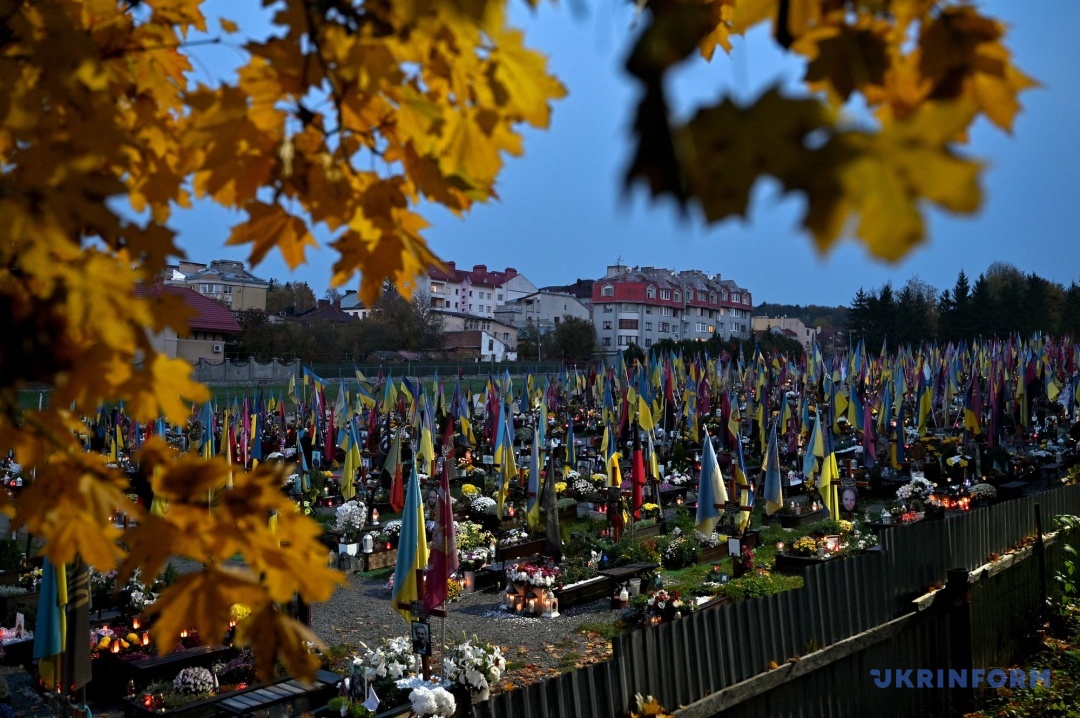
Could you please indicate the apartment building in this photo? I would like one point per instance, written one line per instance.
(645, 305)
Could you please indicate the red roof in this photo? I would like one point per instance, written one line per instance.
(479, 275)
(209, 316)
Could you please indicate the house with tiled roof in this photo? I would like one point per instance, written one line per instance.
(326, 311)
(477, 291)
(210, 325)
(227, 281)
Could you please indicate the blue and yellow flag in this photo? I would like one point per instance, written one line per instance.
(711, 492)
(412, 550)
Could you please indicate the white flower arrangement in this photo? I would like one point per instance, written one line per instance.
(391, 530)
(435, 701)
(572, 476)
(350, 518)
(708, 541)
(483, 505)
(677, 479)
(193, 681)
(916, 489)
(476, 665)
(582, 487)
(601, 479)
(983, 491)
(393, 659)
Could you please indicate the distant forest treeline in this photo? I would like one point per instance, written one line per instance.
(1000, 301)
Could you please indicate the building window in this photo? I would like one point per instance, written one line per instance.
(607, 291)
(648, 342)
(609, 308)
(678, 296)
(736, 297)
(664, 327)
(628, 324)
(557, 320)
(607, 341)
(650, 292)
(648, 309)
(665, 294)
(228, 288)
(491, 345)
(701, 296)
(470, 292)
(712, 329)
(712, 297)
(648, 326)
(607, 326)
(500, 295)
(665, 311)
(699, 327)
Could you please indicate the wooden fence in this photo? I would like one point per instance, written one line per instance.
(851, 616)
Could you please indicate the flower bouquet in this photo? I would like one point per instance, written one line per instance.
(483, 505)
(474, 664)
(469, 491)
(534, 575)
(513, 537)
(676, 478)
(392, 659)
(194, 681)
(433, 701)
(474, 559)
(983, 492)
(805, 546)
(915, 492)
(350, 517)
(390, 532)
(663, 606)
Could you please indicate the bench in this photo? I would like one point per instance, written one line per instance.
(285, 697)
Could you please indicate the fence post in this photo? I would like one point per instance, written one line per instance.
(962, 658)
(1040, 554)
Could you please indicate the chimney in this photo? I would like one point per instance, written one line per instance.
(480, 269)
(511, 272)
(323, 303)
(452, 266)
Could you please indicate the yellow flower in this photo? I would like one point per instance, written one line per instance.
(132, 638)
(469, 491)
(238, 612)
(560, 487)
(649, 507)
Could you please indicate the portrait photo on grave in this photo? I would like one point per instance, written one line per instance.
(421, 638)
(849, 499)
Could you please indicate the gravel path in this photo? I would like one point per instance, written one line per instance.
(360, 612)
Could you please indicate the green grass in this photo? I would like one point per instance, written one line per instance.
(569, 661)
(604, 629)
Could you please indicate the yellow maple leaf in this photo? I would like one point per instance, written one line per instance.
(522, 79)
(271, 633)
(269, 226)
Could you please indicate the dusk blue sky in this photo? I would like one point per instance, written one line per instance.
(562, 214)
